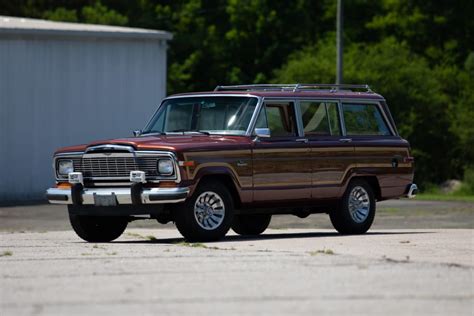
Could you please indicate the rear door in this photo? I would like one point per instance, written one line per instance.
(282, 167)
(378, 149)
(332, 154)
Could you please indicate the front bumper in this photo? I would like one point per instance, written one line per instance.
(120, 196)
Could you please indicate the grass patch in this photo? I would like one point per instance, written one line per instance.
(321, 252)
(98, 247)
(136, 235)
(6, 253)
(434, 196)
(200, 245)
(389, 209)
(391, 260)
(195, 245)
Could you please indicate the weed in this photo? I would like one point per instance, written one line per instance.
(321, 251)
(152, 238)
(200, 245)
(6, 253)
(135, 235)
(407, 259)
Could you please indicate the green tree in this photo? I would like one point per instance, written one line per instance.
(100, 14)
(61, 14)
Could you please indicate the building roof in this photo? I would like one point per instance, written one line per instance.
(36, 27)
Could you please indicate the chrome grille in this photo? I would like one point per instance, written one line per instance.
(116, 166)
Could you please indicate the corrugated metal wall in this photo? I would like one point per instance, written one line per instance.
(57, 93)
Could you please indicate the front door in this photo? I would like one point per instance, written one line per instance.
(281, 163)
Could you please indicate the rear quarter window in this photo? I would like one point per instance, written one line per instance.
(364, 119)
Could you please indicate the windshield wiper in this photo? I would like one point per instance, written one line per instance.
(188, 131)
(150, 133)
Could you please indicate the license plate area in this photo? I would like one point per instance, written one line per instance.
(105, 200)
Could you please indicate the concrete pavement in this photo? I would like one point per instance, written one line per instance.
(285, 271)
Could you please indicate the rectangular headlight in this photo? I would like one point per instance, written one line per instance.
(165, 167)
(65, 167)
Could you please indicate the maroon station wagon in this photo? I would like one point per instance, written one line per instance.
(235, 156)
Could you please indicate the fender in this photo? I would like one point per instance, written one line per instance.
(354, 173)
(218, 169)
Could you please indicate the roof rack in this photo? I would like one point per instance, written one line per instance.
(295, 87)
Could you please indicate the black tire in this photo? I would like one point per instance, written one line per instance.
(98, 228)
(251, 225)
(347, 222)
(187, 222)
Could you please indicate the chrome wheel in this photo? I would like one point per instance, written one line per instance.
(209, 210)
(359, 204)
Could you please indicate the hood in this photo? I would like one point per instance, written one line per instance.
(176, 143)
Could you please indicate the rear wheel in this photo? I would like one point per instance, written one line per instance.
(251, 224)
(207, 215)
(98, 228)
(357, 209)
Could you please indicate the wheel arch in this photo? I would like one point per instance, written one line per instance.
(371, 180)
(224, 176)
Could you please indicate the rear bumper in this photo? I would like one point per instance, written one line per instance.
(411, 191)
(122, 196)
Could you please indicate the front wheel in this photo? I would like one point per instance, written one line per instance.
(207, 215)
(249, 225)
(357, 209)
(98, 228)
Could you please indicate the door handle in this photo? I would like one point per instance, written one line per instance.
(345, 140)
(241, 163)
(302, 140)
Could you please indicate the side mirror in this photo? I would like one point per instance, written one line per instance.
(262, 132)
(137, 133)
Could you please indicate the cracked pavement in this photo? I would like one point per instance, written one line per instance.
(285, 271)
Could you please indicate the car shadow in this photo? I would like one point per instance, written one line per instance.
(237, 238)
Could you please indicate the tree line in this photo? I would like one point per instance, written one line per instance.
(419, 54)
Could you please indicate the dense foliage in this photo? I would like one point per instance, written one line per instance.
(419, 54)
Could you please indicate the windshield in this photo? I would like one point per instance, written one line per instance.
(213, 115)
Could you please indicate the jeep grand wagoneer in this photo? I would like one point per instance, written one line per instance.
(233, 157)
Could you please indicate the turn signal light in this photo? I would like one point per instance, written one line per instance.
(186, 163)
(63, 185)
(167, 184)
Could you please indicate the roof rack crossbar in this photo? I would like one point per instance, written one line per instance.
(295, 87)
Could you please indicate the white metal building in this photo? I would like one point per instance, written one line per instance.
(66, 83)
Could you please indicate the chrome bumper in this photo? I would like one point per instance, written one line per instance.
(412, 190)
(123, 196)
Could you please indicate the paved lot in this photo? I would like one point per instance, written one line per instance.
(417, 259)
(390, 214)
(293, 271)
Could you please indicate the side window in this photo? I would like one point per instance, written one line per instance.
(320, 118)
(364, 119)
(279, 118)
